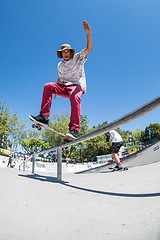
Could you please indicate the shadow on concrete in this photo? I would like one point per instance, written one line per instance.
(54, 180)
(133, 195)
(41, 178)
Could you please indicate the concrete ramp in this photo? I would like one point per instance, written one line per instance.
(147, 156)
(150, 154)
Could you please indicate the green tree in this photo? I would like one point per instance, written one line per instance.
(59, 123)
(124, 135)
(4, 125)
(11, 128)
(155, 132)
(33, 145)
(79, 153)
(95, 146)
(137, 135)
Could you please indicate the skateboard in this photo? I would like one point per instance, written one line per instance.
(116, 170)
(39, 126)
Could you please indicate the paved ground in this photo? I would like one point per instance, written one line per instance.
(114, 206)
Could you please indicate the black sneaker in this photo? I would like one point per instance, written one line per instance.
(39, 119)
(72, 134)
(117, 167)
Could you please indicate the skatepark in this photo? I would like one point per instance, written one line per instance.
(99, 205)
(119, 205)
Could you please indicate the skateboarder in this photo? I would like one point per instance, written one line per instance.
(71, 83)
(10, 160)
(117, 142)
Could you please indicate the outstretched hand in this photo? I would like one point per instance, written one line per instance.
(86, 26)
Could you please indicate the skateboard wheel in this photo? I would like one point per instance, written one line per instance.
(65, 140)
(33, 126)
(39, 128)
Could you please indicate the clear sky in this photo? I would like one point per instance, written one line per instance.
(122, 71)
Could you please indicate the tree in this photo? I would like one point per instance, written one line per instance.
(124, 135)
(155, 132)
(83, 130)
(11, 128)
(33, 145)
(17, 132)
(95, 146)
(137, 135)
(4, 125)
(60, 124)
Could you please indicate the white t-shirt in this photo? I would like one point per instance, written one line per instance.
(72, 71)
(115, 136)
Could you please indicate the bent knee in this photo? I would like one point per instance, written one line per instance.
(47, 85)
(50, 86)
(75, 98)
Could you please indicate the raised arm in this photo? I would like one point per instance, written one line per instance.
(87, 28)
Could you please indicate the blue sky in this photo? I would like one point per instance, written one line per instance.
(122, 71)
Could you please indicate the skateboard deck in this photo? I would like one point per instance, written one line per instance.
(39, 126)
(115, 170)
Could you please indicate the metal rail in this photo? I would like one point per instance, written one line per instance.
(24, 162)
(137, 113)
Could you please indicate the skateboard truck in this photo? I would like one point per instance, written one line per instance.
(38, 126)
(66, 139)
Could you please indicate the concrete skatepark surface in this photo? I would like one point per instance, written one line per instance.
(115, 206)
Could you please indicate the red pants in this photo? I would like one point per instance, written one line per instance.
(73, 92)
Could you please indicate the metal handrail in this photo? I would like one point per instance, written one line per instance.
(137, 113)
(25, 161)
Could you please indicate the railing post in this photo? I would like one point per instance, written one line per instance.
(24, 166)
(59, 164)
(33, 163)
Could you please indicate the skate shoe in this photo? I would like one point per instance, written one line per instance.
(40, 119)
(117, 168)
(72, 134)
